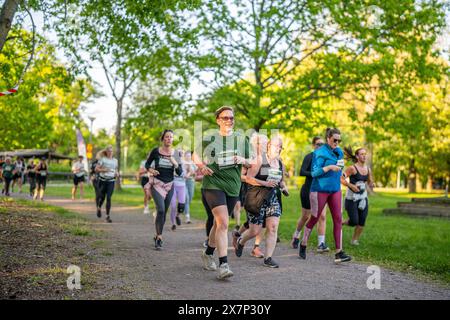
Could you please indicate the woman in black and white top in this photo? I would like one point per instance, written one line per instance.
(161, 164)
(108, 170)
(267, 176)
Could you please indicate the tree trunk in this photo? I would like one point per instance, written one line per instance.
(412, 177)
(6, 19)
(430, 183)
(118, 185)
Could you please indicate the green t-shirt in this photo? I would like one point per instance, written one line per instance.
(8, 170)
(219, 152)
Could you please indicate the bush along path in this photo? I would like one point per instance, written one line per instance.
(127, 266)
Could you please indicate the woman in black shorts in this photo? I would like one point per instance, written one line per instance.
(225, 152)
(356, 201)
(41, 179)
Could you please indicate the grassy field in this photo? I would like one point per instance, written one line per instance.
(413, 244)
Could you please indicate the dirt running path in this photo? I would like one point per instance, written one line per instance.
(140, 272)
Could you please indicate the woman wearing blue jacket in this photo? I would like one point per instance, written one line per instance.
(326, 170)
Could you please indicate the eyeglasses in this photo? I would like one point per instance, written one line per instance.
(227, 118)
(337, 140)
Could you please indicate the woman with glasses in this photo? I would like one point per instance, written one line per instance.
(108, 170)
(356, 201)
(305, 171)
(265, 177)
(225, 152)
(327, 165)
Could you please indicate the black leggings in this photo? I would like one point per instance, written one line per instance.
(106, 189)
(213, 198)
(356, 216)
(96, 184)
(32, 182)
(162, 205)
(7, 184)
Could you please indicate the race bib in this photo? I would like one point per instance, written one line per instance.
(43, 173)
(165, 163)
(225, 159)
(275, 175)
(340, 163)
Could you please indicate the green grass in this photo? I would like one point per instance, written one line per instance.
(419, 245)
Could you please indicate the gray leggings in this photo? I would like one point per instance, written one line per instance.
(162, 205)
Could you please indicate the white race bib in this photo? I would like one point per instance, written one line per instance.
(340, 163)
(225, 159)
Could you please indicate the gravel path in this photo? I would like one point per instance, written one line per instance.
(139, 272)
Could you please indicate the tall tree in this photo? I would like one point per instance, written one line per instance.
(276, 57)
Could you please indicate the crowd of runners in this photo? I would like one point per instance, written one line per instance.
(237, 174)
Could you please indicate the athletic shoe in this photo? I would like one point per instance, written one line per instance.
(205, 244)
(188, 222)
(239, 249)
(99, 212)
(158, 243)
(341, 257)
(108, 219)
(174, 227)
(355, 243)
(235, 236)
(295, 242)
(224, 271)
(302, 251)
(177, 218)
(269, 262)
(322, 248)
(257, 253)
(208, 262)
(146, 210)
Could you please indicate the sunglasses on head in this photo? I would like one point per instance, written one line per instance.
(227, 118)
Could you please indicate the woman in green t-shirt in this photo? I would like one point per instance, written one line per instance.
(225, 152)
(9, 169)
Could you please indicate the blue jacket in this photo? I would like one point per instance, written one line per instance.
(329, 182)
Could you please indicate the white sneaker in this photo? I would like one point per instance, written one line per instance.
(146, 210)
(355, 243)
(208, 262)
(224, 271)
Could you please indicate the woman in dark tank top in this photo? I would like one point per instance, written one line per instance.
(356, 200)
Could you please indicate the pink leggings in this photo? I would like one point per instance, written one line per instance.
(179, 195)
(318, 201)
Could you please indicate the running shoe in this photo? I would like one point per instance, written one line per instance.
(208, 262)
(355, 243)
(224, 271)
(322, 248)
(239, 249)
(295, 242)
(158, 243)
(257, 253)
(341, 257)
(269, 262)
(205, 244)
(99, 212)
(174, 227)
(177, 218)
(235, 236)
(108, 219)
(146, 210)
(302, 251)
(188, 222)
